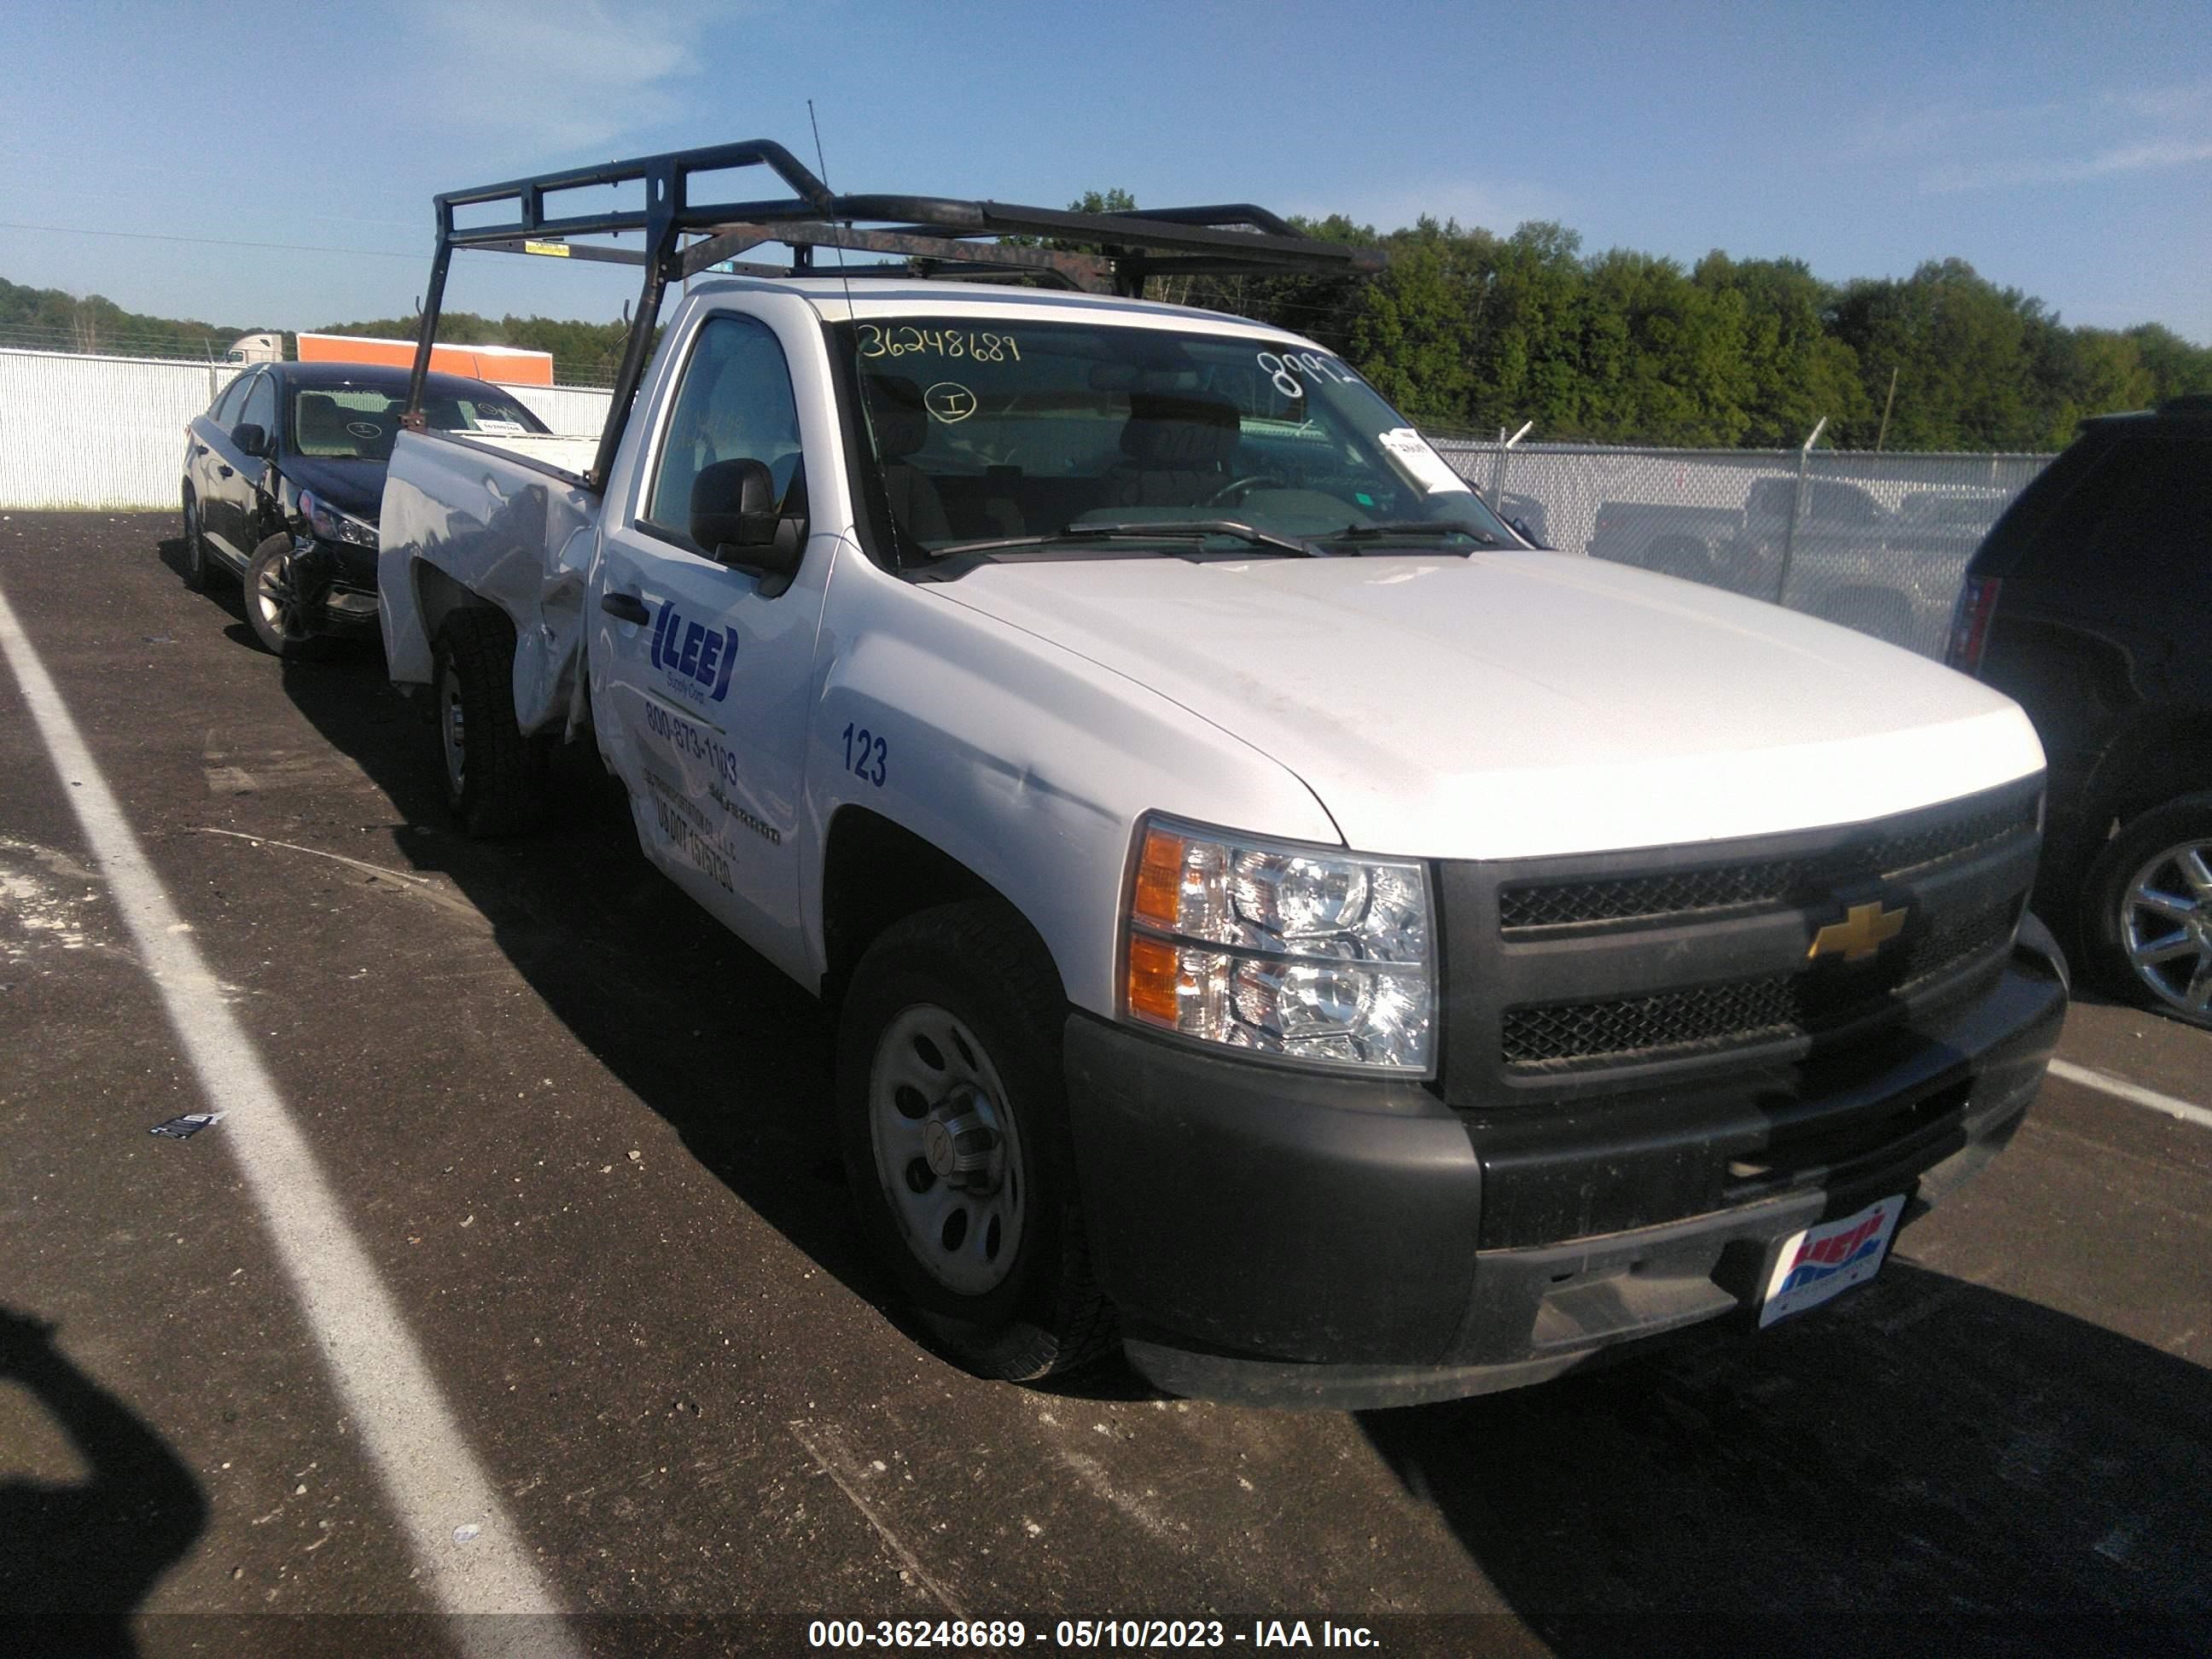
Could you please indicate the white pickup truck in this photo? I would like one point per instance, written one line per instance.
(1279, 922)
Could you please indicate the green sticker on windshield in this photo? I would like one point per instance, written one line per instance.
(1362, 498)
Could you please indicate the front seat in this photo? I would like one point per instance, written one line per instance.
(1176, 450)
(901, 421)
(322, 426)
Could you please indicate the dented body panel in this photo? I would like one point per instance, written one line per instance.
(505, 523)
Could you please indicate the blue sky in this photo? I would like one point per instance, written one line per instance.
(2063, 149)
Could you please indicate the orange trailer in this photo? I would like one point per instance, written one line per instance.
(506, 365)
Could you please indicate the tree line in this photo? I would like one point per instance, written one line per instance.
(52, 320)
(1469, 331)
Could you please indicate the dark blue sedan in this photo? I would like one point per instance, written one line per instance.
(285, 474)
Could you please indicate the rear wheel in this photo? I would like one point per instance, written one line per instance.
(2147, 910)
(952, 1120)
(492, 773)
(196, 552)
(278, 612)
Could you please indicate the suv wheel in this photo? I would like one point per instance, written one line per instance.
(953, 1124)
(2147, 919)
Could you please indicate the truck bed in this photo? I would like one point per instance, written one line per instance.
(499, 515)
(569, 454)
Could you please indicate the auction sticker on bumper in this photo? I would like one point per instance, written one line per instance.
(1821, 1262)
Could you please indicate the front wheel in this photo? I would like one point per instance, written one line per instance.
(2147, 910)
(491, 772)
(280, 614)
(953, 1121)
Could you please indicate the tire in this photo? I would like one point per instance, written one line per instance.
(492, 774)
(2146, 922)
(274, 609)
(197, 569)
(951, 1025)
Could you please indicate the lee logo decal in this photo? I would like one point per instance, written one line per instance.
(690, 651)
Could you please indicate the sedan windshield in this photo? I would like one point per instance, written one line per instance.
(1009, 433)
(359, 423)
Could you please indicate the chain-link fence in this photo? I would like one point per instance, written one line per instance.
(1876, 542)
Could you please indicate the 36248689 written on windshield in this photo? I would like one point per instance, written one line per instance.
(1019, 429)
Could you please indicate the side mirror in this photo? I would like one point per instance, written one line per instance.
(735, 517)
(250, 439)
(1520, 527)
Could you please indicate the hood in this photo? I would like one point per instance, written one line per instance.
(1514, 704)
(351, 486)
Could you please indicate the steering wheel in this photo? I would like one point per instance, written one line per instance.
(1243, 484)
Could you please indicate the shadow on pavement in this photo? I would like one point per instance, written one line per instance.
(707, 1033)
(77, 1557)
(1929, 1465)
(221, 592)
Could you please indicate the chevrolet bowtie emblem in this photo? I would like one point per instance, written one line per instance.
(1864, 930)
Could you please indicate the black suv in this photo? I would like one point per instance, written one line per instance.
(2090, 602)
(283, 476)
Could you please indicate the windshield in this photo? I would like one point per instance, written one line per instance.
(358, 422)
(1012, 431)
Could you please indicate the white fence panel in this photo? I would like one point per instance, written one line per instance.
(97, 432)
(79, 431)
(571, 410)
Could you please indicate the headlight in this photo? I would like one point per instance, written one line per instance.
(1299, 952)
(332, 526)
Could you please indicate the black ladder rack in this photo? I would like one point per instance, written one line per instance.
(928, 235)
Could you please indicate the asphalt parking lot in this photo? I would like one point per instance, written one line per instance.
(581, 1138)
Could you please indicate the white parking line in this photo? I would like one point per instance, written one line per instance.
(434, 1484)
(2142, 1096)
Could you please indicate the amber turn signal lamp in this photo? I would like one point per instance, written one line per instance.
(1159, 879)
(1152, 970)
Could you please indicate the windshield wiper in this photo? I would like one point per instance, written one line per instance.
(1169, 530)
(1412, 527)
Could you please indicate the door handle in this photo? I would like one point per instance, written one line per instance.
(224, 471)
(199, 449)
(627, 606)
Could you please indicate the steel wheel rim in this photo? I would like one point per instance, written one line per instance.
(279, 601)
(2165, 927)
(931, 1088)
(452, 733)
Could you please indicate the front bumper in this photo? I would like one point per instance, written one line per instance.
(343, 580)
(1291, 1239)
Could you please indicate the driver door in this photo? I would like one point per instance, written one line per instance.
(247, 493)
(708, 677)
(226, 509)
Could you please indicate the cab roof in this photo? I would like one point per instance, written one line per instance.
(836, 298)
